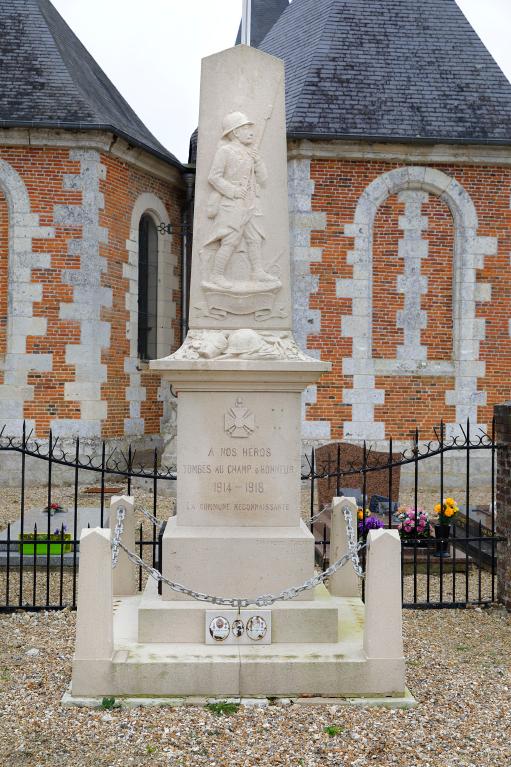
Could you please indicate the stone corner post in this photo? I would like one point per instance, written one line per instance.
(502, 415)
(383, 630)
(94, 619)
(343, 583)
(124, 574)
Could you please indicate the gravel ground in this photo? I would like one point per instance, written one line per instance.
(458, 670)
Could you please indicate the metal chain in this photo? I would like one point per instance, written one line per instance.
(119, 529)
(352, 543)
(152, 519)
(353, 547)
(315, 517)
(265, 600)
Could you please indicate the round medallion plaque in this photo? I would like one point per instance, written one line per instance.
(219, 629)
(238, 627)
(256, 628)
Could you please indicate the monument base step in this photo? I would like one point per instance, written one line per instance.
(162, 670)
(405, 701)
(314, 620)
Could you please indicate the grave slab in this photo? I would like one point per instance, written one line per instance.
(86, 516)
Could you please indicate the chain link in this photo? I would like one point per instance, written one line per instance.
(265, 600)
(152, 519)
(119, 529)
(315, 517)
(353, 548)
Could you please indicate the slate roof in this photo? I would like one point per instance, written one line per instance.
(264, 15)
(48, 79)
(389, 70)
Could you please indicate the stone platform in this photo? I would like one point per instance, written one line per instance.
(169, 669)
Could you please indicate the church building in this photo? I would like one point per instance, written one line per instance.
(399, 170)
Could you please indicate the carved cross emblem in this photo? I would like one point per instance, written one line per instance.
(239, 421)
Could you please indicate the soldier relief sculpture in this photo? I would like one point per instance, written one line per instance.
(235, 277)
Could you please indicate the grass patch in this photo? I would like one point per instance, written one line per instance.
(107, 703)
(332, 730)
(223, 708)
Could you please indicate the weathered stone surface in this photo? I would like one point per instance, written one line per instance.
(240, 265)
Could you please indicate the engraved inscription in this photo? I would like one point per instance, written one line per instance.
(239, 421)
(241, 478)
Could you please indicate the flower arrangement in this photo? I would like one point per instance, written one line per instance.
(446, 511)
(54, 508)
(369, 523)
(413, 523)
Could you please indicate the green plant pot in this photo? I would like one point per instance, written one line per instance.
(57, 545)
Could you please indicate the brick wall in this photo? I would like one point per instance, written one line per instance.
(69, 352)
(413, 241)
(122, 187)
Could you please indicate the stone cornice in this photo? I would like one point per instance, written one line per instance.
(409, 153)
(102, 141)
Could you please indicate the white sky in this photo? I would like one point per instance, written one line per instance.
(152, 50)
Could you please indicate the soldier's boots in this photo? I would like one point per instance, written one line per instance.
(218, 279)
(260, 275)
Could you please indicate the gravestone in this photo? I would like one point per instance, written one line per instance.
(352, 458)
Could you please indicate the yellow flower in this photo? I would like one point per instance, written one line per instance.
(438, 508)
(450, 501)
(449, 512)
(360, 514)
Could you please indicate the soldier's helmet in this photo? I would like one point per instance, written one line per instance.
(234, 120)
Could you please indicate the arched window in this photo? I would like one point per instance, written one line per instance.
(147, 288)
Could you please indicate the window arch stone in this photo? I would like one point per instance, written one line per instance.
(148, 204)
(468, 330)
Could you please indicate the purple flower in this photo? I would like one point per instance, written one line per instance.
(369, 523)
(59, 531)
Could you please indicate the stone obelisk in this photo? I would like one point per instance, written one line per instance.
(239, 373)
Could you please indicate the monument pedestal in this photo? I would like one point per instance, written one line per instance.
(238, 530)
(155, 664)
(231, 561)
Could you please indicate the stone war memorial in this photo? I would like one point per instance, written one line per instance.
(238, 610)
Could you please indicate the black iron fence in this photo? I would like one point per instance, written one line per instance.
(41, 519)
(39, 543)
(450, 565)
